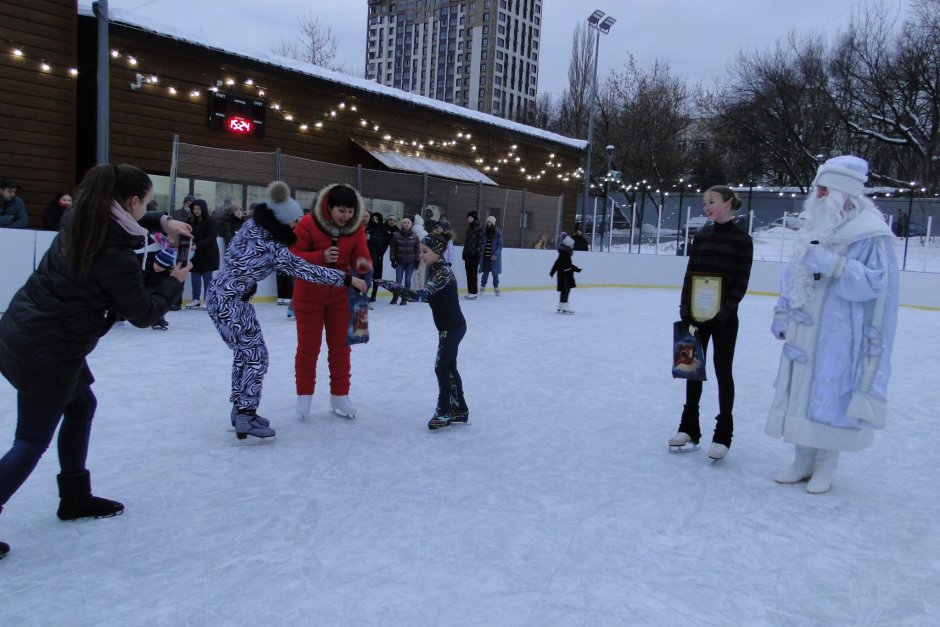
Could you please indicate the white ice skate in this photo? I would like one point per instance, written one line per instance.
(342, 406)
(303, 406)
(717, 452)
(566, 309)
(682, 443)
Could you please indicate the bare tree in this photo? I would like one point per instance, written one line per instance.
(575, 101)
(315, 44)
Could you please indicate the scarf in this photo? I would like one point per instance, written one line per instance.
(120, 215)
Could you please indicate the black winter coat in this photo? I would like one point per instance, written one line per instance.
(473, 242)
(565, 270)
(205, 232)
(56, 319)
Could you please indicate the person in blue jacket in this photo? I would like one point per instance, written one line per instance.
(492, 258)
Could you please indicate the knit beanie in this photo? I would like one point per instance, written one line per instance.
(845, 174)
(165, 257)
(285, 208)
(435, 242)
(491, 220)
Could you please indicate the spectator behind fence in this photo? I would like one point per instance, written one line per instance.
(492, 259)
(206, 258)
(580, 242)
(378, 238)
(88, 277)
(231, 220)
(12, 211)
(54, 210)
(472, 250)
(404, 251)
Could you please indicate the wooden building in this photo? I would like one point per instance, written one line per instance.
(161, 87)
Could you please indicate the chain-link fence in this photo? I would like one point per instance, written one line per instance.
(663, 225)
(223, 177)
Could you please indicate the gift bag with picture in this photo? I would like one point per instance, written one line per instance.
(688, 356)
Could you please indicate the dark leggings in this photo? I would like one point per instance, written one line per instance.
(564, 299)
(723, 341)
(35, 426)
(470, 265)
(285, 286)
(449, 384)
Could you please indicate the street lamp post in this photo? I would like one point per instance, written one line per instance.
(604, 225)
(601, 24)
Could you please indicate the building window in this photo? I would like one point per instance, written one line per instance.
(486, 30)
(497, 93)
(486, 41)
(500, 43)
(497, 80)
(482, 92)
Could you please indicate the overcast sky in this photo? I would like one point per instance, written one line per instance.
(698, 38)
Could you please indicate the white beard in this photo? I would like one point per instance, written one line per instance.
(821, 217)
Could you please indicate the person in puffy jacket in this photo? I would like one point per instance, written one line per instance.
(88, 278)
(333, 235)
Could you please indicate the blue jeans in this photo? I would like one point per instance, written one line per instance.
(35, 426)
(406, 269)
(486, 268)
(197, 279)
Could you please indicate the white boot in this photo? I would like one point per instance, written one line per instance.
(303, 406)
(559, 308)
(342, 406)
(682, 442)
(802, 467)
(826, 462)
(496, 291)
(717, 451)
(566, 308)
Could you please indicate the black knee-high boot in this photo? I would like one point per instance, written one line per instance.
(76, 500)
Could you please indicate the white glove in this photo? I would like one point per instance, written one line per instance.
(821, 260)
(779, 326)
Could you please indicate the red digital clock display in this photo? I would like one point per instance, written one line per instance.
(238, 125)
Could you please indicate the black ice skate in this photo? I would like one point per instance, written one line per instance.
(439, 421)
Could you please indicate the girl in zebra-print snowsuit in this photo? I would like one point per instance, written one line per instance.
(258, 249)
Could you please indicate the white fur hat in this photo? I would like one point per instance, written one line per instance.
(491, 220)
(845, 174)
(567, 242)
(285, 208)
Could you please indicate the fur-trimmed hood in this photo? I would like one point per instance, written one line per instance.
(264, 217)
(321, 213)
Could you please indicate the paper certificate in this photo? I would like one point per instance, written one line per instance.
(706, 297)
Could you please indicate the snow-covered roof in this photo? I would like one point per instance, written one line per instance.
(444, 169)
(215, 41)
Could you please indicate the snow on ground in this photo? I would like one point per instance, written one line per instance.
(559, 505)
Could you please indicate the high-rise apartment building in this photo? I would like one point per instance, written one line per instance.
(480, 54)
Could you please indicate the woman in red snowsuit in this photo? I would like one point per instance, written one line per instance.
(333, 234)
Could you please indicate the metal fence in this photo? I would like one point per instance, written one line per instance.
(229, 176)
(664, 225)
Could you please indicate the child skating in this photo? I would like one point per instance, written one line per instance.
(440, 291)
(565, 270)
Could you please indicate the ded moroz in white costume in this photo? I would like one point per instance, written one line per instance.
(831, 388)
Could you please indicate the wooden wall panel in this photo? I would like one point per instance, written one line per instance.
(38, 120)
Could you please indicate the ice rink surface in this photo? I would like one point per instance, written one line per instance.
(558, 505)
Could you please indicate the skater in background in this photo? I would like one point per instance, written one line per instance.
(580, 242)
(260, 247)
(206, 259)
(404, 252)
(440, 292)
(565, 269)
(333, 235)
(472, 251)
(725, 251)
(837, 316)
(377, 238)
(89, 276)
(492, 258)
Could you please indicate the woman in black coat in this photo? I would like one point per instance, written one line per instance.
(87, 279)
(377, 238)
(565, 270)
(206, 258)
(54, 210)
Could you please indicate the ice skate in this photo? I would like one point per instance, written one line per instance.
(303, 406)
(261, 420)
(469, 296)
(4, 549)
(802, 467)
(193, 305)
(439, 421)
(566, 309)
(460, 416)
(717, 452)
(342, 406)
(682, 443)
(246, 423)
(496, 291)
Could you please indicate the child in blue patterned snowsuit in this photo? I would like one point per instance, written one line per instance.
(259, 248)
(440, 291)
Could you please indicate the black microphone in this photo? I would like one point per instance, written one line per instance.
(816, 275)
(334, 241)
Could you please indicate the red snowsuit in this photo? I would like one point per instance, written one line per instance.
(316, 306)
